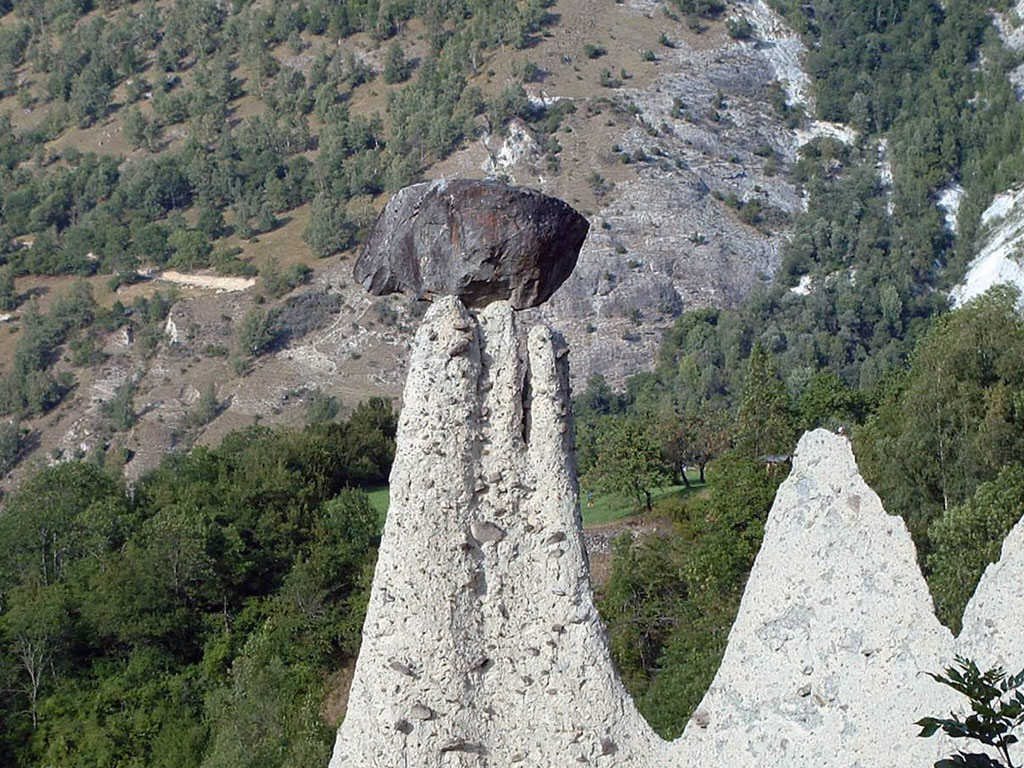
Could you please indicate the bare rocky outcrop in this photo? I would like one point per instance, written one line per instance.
(482, 241)
(824, 662)
(998, 259)
(482, 646)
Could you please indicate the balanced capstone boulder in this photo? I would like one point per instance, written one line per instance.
(481, 241)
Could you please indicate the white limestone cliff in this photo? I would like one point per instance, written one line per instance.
(482, 646)
(999, 257)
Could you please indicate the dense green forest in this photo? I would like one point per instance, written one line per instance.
(934, 400)
(196, 620)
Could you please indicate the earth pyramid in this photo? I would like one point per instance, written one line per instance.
(482, 645)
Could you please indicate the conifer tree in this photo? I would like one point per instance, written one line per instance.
(764, 424)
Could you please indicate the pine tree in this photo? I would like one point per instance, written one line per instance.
(396, 66)
(764, 424)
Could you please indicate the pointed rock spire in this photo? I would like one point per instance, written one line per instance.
(482, 645)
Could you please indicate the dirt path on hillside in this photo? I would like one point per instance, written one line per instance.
(212, 282)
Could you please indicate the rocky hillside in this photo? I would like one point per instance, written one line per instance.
(687, 189)
(677, 135)
(674, 137)
(998, 259)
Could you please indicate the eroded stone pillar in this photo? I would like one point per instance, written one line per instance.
(482, 645)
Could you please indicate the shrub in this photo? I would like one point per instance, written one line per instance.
(256, 334)
(120, 409)
(997, 708)
(740, 29)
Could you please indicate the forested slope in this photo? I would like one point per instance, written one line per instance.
(202, 619)
(146, 143)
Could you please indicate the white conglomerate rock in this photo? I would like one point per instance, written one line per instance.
(993, 626)
(482, 645)
(824, 664)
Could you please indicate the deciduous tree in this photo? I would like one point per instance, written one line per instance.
(629, 460)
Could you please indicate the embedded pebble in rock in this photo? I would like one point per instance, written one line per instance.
(482, 241)
(482, 646)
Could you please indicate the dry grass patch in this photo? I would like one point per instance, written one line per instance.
(336, 700)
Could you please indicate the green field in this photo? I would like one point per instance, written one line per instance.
(379, 501)
(601, 508)
(598, 509)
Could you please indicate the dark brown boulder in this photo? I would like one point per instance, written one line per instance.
(479, 240)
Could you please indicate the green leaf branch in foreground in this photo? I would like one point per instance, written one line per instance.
(997, 707)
